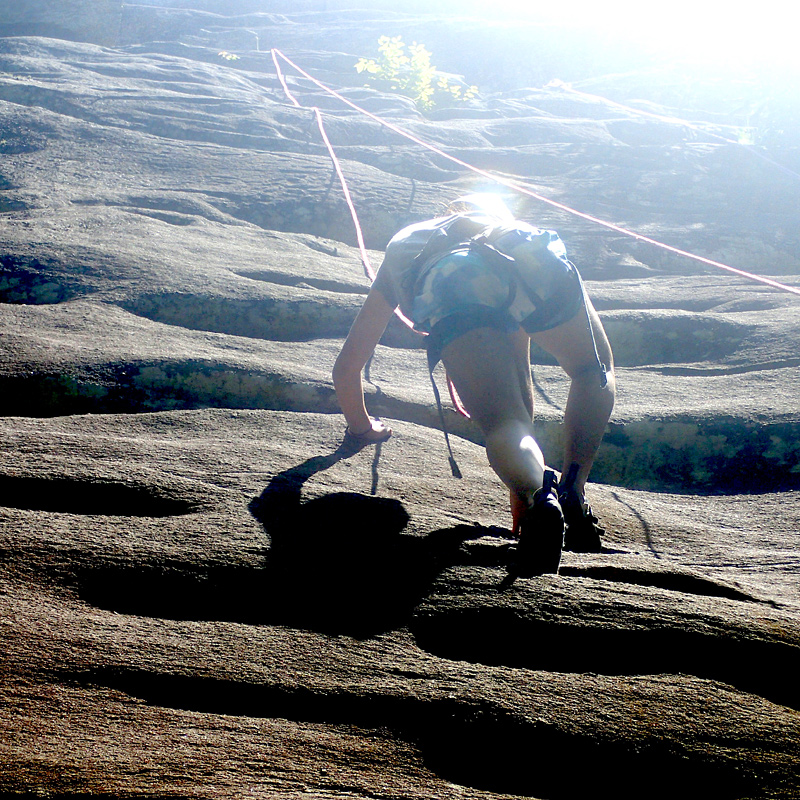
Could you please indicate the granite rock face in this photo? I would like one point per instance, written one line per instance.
(205, 593)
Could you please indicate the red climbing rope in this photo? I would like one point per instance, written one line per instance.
(365, 260)
(509, 183)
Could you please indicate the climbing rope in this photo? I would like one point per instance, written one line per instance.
(370, 272)
(514, 185)
(365, 260)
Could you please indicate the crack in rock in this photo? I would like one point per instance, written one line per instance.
(89, 497)
(581, 626)
(472, 743)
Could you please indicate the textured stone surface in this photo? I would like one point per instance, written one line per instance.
(204, 594)
(217, 601)
(96, 21)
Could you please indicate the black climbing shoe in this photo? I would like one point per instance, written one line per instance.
(583, 527)
(541, 534)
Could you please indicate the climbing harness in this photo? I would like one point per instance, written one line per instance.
(530, 260)
(487, 248)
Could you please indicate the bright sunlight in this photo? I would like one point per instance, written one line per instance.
(726, 33)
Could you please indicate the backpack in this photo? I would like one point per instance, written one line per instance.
(544, 286)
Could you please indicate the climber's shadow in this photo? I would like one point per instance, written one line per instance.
(341, 562)
(338, 563)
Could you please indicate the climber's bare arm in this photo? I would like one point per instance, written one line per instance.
(364, 335)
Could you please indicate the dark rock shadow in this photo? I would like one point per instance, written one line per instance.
(27, 281)
(90, 497)
(339, 563)
(472, 743)
(767, 667)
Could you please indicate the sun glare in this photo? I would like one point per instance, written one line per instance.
(728, 33)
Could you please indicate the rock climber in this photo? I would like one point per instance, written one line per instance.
(483, 286)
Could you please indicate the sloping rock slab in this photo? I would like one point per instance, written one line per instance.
(218, 602)
(174, 181)
(590, 625)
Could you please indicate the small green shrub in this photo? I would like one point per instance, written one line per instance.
(412, 74)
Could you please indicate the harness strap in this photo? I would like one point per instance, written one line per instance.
(485, 240)
(451, 458)
(602, 367)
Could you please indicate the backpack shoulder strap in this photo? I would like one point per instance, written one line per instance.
(458, 231)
